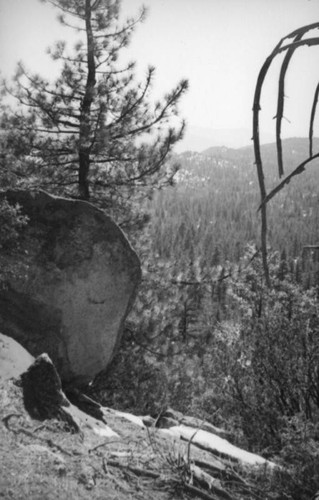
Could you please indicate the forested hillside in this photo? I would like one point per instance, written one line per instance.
(212, 333)
(203, 287)
(211, 212)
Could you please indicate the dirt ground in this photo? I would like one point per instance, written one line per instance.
(44, 460)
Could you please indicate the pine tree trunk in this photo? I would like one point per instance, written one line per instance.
(85, 111)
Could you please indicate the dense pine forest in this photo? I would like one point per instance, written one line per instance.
(211, 212)
(208, 335)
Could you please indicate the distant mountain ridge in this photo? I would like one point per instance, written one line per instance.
(300, 144)
(200, 138)
(295, 150)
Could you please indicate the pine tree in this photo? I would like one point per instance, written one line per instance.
(93, 133)
(283, 265)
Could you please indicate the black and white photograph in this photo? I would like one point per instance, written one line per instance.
(159, 249)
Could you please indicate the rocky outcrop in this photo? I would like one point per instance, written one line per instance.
(44, 398)
(70, 444)
(14, 359)
(80, 281)
(42, 391)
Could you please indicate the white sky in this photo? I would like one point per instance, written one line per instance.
(219, 45)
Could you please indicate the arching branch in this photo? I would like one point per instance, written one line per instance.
(312, 119)
(280, 105)
(298, 170)
(283, 46)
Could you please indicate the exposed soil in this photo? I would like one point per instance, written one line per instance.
(43, 460)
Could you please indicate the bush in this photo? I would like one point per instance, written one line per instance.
(12, 222)
(276, 374)
(132, 382)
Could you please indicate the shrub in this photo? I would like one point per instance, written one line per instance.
(12, 222)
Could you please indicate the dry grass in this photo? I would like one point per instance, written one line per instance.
(44, 460)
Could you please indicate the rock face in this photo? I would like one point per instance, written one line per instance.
(42, 389)
(44, 399)
(14, 359)
(80, 283)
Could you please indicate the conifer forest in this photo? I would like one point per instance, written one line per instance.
(209, 334)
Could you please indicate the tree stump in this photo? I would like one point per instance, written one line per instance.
(42, 392)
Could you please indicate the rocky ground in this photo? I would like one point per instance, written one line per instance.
(48, 460)
(44, 460)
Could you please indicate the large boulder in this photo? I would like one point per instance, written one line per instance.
(80, 280)
(14, 359)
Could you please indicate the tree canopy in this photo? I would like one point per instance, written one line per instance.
(93, 132)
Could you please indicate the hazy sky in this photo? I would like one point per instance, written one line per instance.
(219, 45)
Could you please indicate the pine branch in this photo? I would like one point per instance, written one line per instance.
(35, 103)
(64, 9)
(138, 101)
(44, 88)
(174, 97)
(148, 172)
(111, 159)
(131, 23)
(109, 56)
(129, 67)
(50, 131)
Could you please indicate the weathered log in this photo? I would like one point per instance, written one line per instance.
(138, 471)
(218, 446)
(216, 466)
(198, 492)
(220, 469)
(170, 418)
(209, 482)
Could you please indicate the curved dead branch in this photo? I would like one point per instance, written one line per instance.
(280, 105)
(298, 170)
(284, 45)
(312, 119)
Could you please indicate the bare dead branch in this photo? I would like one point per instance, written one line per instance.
(312, 119)
(303, 29)
(138, 471)
(282, 46)
(198, 492)
(280, 105)
(298, 170)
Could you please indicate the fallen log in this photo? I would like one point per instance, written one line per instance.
(199, 493)
(170, 418)
(218, 446)
(219, 469)
(139, 421)
(214, 465)
(138, 471)
(209, 482)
